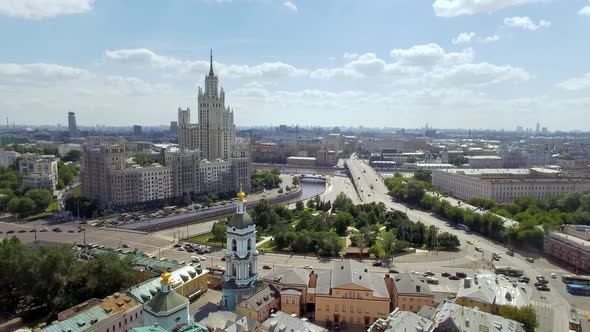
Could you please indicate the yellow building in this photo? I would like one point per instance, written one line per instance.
(411, 293)
(260, 305)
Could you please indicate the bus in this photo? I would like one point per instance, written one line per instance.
(575, 280)
(578, 290)
(509, 271)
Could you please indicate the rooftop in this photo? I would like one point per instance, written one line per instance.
(146, 290)
(402, 321)
(406, 283)
(495, 289)
(281, 321)
(467, 319)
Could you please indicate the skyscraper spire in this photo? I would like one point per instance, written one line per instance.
(211, 64)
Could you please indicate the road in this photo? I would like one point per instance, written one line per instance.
(365, 176)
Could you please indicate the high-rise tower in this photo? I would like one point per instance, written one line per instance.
(241, 256)
(73, 128)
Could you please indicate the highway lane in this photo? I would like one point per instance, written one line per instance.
(364, 175)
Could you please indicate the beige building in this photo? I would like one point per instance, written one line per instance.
(8, 158)
(489, 292)
(348, 294)
(39, 171)
(571, 247)
(326, 157)
(302, 161)
(260, 305)
(411, 293)
(485, 162)
(503, 185)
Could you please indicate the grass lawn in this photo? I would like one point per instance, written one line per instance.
(206, 239)
(77, 191)
(52, 207)
(268, 246)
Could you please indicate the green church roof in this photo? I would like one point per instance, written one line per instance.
(165, 303)
(241, 221)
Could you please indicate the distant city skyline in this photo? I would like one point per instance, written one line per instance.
(451, 63)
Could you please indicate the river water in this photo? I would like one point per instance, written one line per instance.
(311, 189)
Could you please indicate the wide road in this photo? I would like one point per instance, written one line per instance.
(365, 176)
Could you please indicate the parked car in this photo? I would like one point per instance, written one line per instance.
(57, 230)
(553, 275)
(125, 245)
(378, 263)
(9, 231)
(22, 231)
(445, 274)
(453, 277)
(530, 259)
(44, 229)
(428, 274)
(510, 253)
(223, 259)
(181, 249)
(177, 245)
(71, 231)
(461, 274)
(393, 271)
(267, 267)
(308, 267)
(478, 249)
(543, 288)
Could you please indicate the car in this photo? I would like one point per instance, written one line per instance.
(44, 229)
(267, 267)
(540, 277)
(543, 288)
(530, 259)
(510, 253)
(428, 274)
(470, 242)
(71, 231)
(57, 230)
(177, 245)
(190, 249)
(461, 274)
(9, 231)
(223, 259)
(453, 277)
(525, 280)
(543, 281)
(125, 245)
(181, 249)
(308, 267)
(537, 284)
(478, 249)
(378, 263)
(22, 231)
(393, 271)
(553, 275)
(445, 274)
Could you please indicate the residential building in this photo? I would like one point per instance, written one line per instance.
(399, 320)
(39, 171)
(173, 127)
(485, 162)
(72, 127)
(451, 317)
(326, 157)
(503, 185)
(334, 142)
(280, 321)
(411, 293)
(215, 132)
(571, 247)
(137, 130)
(489, 292)
(116, 313)
(229, 321)
(241, 275)
(260, 305)
(8, 158)
(64, 149)
(302, 161)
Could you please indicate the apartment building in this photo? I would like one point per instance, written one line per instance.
(39, 171)
(8, 158)
(571, 247)
(485, 162)
(503, 185)
(326, 157)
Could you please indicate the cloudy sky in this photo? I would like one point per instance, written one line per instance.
(397, 63)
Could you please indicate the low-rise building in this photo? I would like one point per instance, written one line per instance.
(326, 157)
(39, 171)
(489, 292)
(411, 293)
(280, 321)
(485, 162)
(229, 321)
(8, 158)
(503, 185)
(571, 248)
(261, 304)
(451, 317)
(116, 313)
(302, 161)
(400, 320)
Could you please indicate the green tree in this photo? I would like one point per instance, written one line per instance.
(219, 232)
(310, 204)
(41, 197)
(73, 156)
(299, 206)
(424, 176)
(524, 315)
(21, 206)
(388, 244)
(341, 223)
(143, 159)
(295, 181)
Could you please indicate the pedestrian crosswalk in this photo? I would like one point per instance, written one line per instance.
(541, 304)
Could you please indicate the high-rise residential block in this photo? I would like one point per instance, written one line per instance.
(72, 127)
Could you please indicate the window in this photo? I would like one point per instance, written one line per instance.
(335, 307)
(327, 307)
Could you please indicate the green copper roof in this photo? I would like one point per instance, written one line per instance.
(241, 221)
(165, 303)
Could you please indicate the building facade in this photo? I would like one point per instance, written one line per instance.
(167, 308)
(241, 275)
(215, 132)
(8, 158)
(72, 126)
(411, 293)
(39, 171)
(503, 185)
(485, 162)
(570, 248)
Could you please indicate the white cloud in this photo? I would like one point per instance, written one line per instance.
(290, 6)
(576, 84)
(490, 39)
(525, 22)
(450, 8)
(585, 11)
(38, 9)
(463, 38)
(478, 74)
(146, 58)
(39, 73)
(430, 55)
(350, 56)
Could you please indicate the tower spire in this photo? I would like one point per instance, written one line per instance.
(211, 63)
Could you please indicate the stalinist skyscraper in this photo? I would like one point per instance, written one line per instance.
(214, 134)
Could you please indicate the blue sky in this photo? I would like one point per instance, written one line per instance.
(396, 63)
